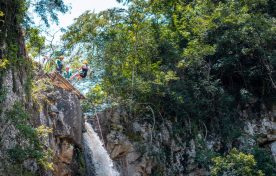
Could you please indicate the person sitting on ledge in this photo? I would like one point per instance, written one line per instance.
(67, 74)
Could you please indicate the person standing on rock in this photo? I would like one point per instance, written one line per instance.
(59, 64)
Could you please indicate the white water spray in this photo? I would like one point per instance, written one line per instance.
(97, 159)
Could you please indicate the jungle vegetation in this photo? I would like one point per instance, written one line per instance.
(194, 63)
(199, 61)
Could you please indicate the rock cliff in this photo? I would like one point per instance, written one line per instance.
(49, 109)
(40, 125)
(61, 111)
(141, 148)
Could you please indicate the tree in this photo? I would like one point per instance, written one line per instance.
(192, 62)
(15, 17)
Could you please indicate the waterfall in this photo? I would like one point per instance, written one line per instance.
(97, 159)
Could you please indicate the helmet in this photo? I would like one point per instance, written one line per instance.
(85, 62)
(61, 57)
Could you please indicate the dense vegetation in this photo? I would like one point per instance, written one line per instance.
(195, 63)
(190, 60)
(15, 24)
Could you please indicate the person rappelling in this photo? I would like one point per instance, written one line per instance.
(67, 74)
(59, 64)
(83, 71)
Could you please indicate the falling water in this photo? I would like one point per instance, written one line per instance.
(97, 159)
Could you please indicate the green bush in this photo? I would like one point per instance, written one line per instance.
(264, 161)
(235, 164)
(28, 139)
(203, 154)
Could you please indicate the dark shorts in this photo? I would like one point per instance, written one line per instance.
(83, 75)
(59, 69)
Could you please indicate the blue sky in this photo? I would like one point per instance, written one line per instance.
(80, 6)
(77, 8)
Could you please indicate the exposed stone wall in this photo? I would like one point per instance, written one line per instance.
(13, 77)
(13, 84)
(131, 144)
(265, 129)
(54, 108)
(128, 161)
(61, 112)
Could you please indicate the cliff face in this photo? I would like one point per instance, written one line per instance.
(61, 112)
(13, 85)
(143, 148)
(48, 107)
(40, 125)
(13, 90)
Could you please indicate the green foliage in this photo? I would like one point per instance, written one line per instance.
(79, 156)
(204, 155)
(29, 81)
(48, 9)
(195, 62)
(35, 42)
(1, 14)
(39, 86)
(241, 36)
(29, 144)
(235, 163)
(132, 136)
(17, 169)
(3, 64)
(264, 161)
(14, 20)
(95, 98)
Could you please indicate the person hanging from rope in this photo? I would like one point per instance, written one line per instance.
(67, 74)
(59, 64)
(83, 73)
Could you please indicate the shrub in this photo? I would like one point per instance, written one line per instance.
(28, 139)
(235, 164)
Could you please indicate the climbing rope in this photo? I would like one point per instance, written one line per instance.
(100, 129)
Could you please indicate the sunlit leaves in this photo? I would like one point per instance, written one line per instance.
(194, 54)
(43, 131)
(163, 78)
(196, 51)
(235, 163)
(1, 13)
(35, 42)
(4, 64)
